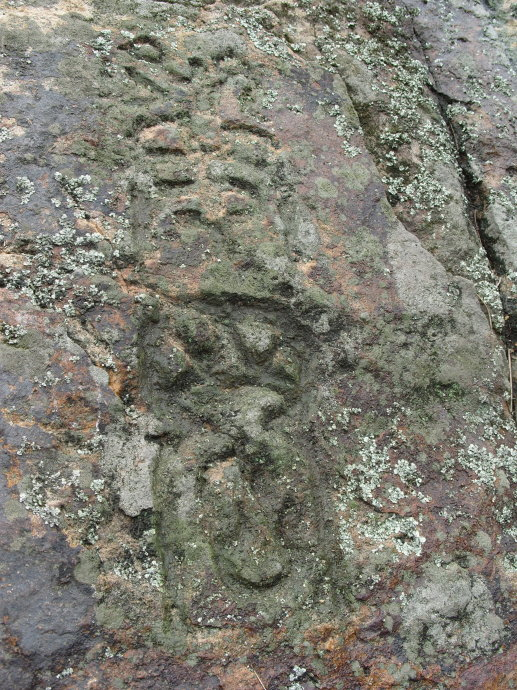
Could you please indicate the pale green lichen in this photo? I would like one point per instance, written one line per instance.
(499, 83)
(257, 23)
(510, 562)
(269, 98)
(465, 120)
(364, 477)
(297, 673)
(26, 188)
(97, 486)
(375, 11)
(489, 422)
(103, 44)
(53, 497)
(27, 446)
(345, 415)
(401, 531)
(140, 566)
(366, 480)
(485, 463)
(12, 333)
(384, 532)
(346, 131)
(76, 188)
(411, 114)
(506, 196)
(408, 472)
(47, 381)
(51, 275)
(5, 134)
(494, 469)
(36, 498)
(478, 270)
(394, 494)
(424, 192)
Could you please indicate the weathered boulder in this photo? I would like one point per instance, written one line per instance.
(259, 302)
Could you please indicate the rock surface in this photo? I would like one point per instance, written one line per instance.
(258, 275)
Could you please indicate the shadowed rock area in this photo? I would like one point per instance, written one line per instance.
(258, 276)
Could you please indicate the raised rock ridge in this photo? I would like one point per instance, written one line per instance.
(258, 283)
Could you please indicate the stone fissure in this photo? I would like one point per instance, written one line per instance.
(474, 191)
(477, 199)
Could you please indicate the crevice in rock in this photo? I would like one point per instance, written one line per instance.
(474, 191)
(477, 200)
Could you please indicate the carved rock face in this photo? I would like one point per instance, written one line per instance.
(234, 369)
(258, 304)
(233, 497)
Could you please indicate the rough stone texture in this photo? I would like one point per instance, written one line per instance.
(259, 309)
